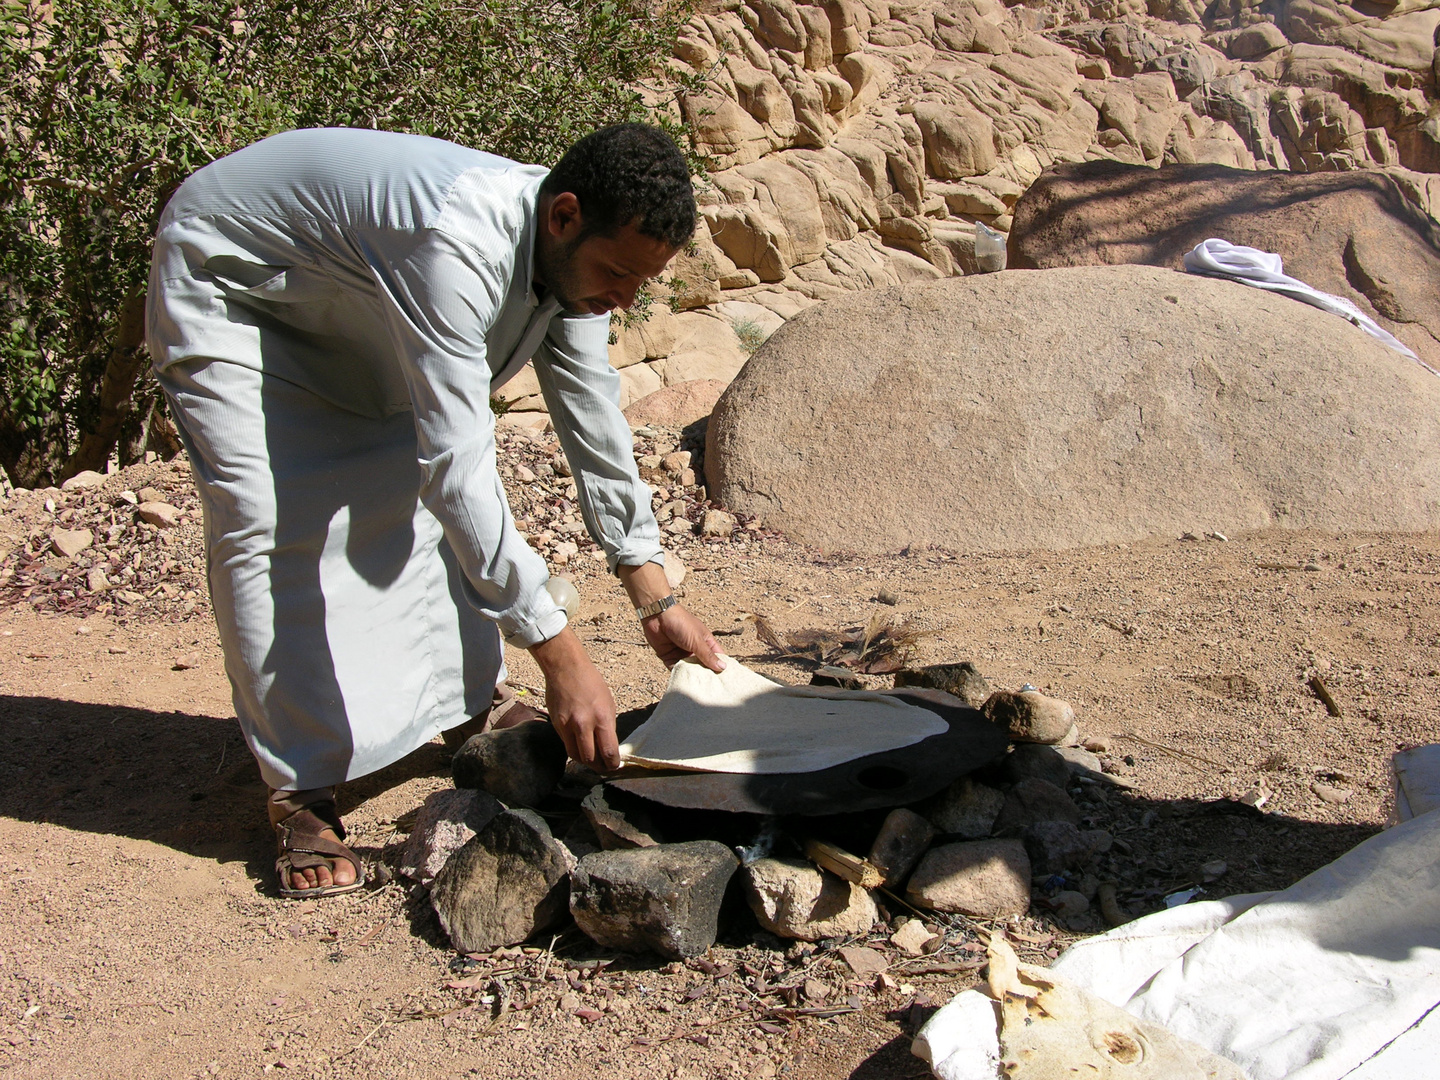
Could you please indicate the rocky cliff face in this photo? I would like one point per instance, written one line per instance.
(856, 143)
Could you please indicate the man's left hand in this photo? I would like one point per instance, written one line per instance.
(675, 634)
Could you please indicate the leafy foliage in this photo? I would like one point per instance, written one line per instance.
(107, 105)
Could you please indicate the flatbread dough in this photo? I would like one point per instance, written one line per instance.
(740, 722)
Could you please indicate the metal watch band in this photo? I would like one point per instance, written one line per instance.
(665, 603)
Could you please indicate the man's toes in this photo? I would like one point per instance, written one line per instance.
(323, 879)
(344, 873)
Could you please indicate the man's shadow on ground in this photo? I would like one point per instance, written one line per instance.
(175, 778)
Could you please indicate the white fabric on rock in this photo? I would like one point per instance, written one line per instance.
(1265, 270)
(738, 721)
(330, 311)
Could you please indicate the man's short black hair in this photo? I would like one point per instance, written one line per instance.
(625, 173)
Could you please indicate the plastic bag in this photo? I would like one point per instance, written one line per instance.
(989, 249)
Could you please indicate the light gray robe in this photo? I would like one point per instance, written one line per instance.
(329, 312)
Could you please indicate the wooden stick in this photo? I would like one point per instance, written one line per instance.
(1323, 693)
(1181, 754)
(1110, 904)
(850, 867)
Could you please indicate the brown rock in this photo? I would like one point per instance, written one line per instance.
(792, 899)
(519, 765)
(1031, 716)
(988, 879)
(160, 514)
(1354, 234)
(1256, 40)
(678, 405)
(1170, 405)
(717, 523)
(912, 937)
(618, 822)
(70, 542)
(1034, 760)
(85, 480)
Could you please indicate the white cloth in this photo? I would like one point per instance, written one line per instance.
(1265, 270)
(374, 288)
(1323, 980)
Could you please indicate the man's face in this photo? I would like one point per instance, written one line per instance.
(599, 273)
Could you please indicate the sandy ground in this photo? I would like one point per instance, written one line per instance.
(140, 933)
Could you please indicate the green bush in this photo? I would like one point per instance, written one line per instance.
(107, 105)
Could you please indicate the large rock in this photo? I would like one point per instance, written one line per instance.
(510, 881)
(792, 899)
(665, 899)
(1091, 405)
(1355, 234)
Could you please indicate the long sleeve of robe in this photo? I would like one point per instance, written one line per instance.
(329, 312)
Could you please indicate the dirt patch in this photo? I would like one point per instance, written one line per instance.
(141, 932)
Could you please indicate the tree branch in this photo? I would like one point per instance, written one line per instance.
(127, 359)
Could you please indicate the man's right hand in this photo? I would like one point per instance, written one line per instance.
(580, 704)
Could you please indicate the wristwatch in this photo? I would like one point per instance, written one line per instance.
(665, 603)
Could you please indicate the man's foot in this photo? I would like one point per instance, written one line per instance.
(313, 861)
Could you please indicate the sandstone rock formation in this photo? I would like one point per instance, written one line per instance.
(855, 143)
(1354, 234)
(1054, 408)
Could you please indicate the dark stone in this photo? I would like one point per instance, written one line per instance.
(520, 765)
(1056, 846)
(619, 820)
(963, 680)
(665, 898)
(1029, 760)
(1031, 801)
(508, 882)
(903, 838)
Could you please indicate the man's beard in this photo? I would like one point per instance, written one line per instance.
(555, 264)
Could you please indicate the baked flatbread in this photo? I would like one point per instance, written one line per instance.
(740, 722)
(1052, 1030)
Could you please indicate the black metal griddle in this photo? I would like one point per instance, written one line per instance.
(890, 778)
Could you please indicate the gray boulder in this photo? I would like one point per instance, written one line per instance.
(508, 882)
(664, 898)
(1080, 406)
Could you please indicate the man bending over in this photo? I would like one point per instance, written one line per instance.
(329, 313)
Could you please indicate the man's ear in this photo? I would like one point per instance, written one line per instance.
(562, 218)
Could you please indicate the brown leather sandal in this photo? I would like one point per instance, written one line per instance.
(302, 847)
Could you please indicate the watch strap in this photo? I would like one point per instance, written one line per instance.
(665, 603)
